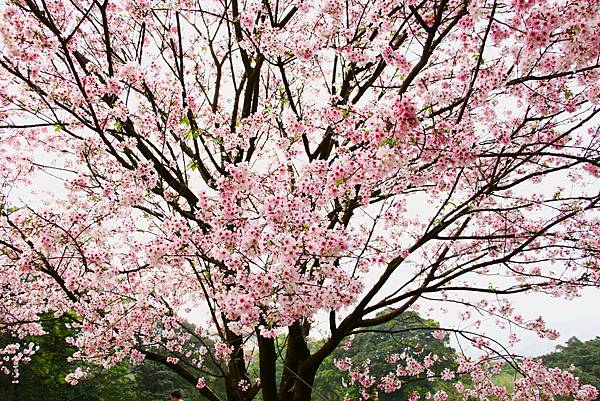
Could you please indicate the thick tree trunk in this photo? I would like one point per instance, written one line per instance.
(296, 353)
(304, 383)
(268, 368)
(236, 367)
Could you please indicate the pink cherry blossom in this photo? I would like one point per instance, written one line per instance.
(297, 170)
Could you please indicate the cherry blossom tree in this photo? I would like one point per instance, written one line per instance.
(296, 167)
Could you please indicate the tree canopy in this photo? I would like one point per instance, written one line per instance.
(293, 169)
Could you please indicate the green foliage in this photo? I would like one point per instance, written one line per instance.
(45, 374)
(409, 333)
(193, 134)
(506, 378)
(391, 142)
(154, 382)
(582, 359)
(48, 368)
(584, 356)
(149, 381)
(193, 166)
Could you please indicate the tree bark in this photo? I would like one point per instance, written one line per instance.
(268, 368)
(296, 352)
(303, 385)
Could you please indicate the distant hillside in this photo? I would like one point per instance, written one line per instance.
(584, 356)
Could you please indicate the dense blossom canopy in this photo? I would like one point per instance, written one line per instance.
(268, 163)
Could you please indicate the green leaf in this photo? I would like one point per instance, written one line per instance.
(391, 142)
(193, 133)
(184, 120)
(118, 125)
(58, 127)
(339, 181)
(429, 110)
(192, 165)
